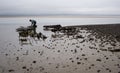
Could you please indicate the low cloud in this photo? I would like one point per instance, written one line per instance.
(24, 7)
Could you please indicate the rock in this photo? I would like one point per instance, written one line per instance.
(17, 58)
(79, 36)
(118, 38)
(24, 67)
(58, 50)
(115, 50)
(98, 60)
(83, 54)
(91, 39)
(98, 71)
(92, 64)
(78, 63)
(77, 58)
(82, 41)
(11, 70)
(34, 61)
(75, 51)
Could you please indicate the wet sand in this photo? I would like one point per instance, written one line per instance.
(91, 50)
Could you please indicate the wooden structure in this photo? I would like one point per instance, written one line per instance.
(52, 27)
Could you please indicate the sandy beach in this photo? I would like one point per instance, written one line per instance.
(93, 49)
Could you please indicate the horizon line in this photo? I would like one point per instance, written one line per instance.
(62, 15)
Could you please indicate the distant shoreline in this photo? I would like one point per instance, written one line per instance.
(66, 16)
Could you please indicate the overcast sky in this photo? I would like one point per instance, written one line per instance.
(11, 7)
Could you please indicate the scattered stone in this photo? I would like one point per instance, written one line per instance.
(107, 68)
(79, 36)
(98, 60)
(107, 58)
(10, 43)
(17, 58)
(27, 69)
(6, 54)
(92, 64)
(98, 51)
(85, 58)
(109, 48)
(41, 53)
(103, 49)
(118, 37)
(11, 70)
(57, 66)
(89, 67)
(77, 58)
(58, 50)
(26, 53)
(81, 49)
(82, 41)
(72, 61)
(24, 67)
(70, 58)
(41, 69)
(77, 46)
(98, 71)
(93, 54)
(110, 71)
(83, 54)
(113, 44)
(78, 63)
(75, 51)
(34, 61)
(119, 72)
(71, 50)
(91, 39)
(18, 50)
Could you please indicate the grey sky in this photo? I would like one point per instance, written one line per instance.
(11, 7)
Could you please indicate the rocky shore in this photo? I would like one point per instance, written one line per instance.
(93, 49)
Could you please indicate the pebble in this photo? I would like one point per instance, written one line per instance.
(34, 61)
(11, 70)
(24, 67)
(98, 60)
(78, 63)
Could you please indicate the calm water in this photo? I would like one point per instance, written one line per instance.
(59, 59)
